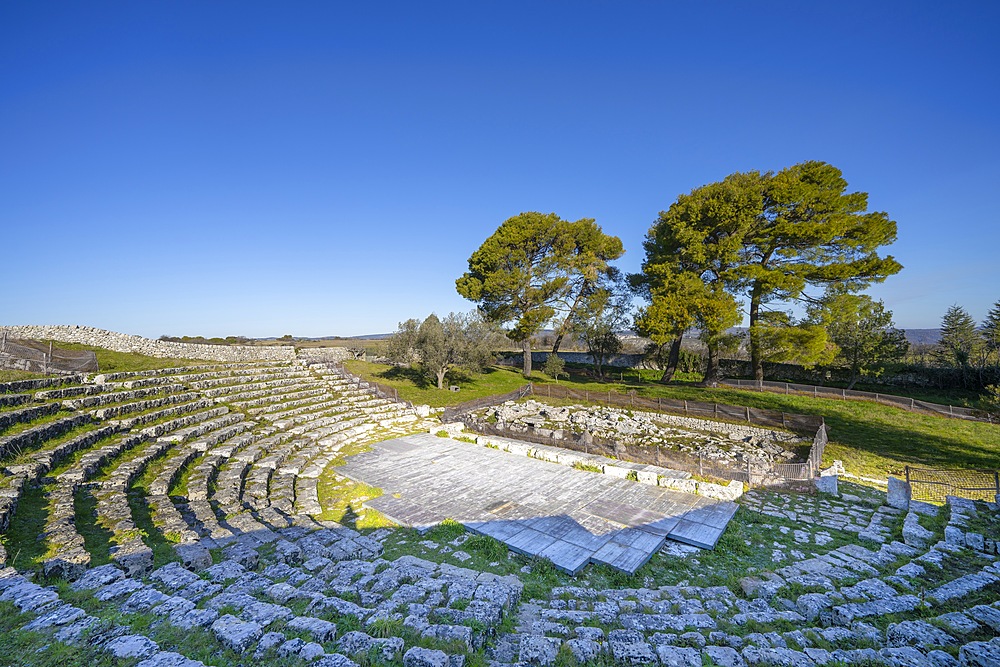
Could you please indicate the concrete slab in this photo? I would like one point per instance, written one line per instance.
(537, 508)
(696, 534)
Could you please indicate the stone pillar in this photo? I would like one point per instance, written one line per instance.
(827, 484)
(898, 495)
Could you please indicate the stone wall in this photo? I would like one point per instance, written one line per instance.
(321, 354)
(120, 342)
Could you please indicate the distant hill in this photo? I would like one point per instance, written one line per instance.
(364, 337)
(923, 336)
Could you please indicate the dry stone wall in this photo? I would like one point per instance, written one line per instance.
(120, 342)
(324, 354)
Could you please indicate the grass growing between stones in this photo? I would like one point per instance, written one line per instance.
(343, 499)
(162, 547)
(984, 522)
(748, 546)
(35, 649)
(25, 456)
(96, 539)
(14, 376)
(14, 429)
(194, 643)
(23, 540)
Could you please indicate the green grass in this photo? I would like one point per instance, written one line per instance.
(109, 361)
(872, 439)
(23, 540)
(21, 427)
(13, 376)
(96, 538)
(414, 387)
(35, 649)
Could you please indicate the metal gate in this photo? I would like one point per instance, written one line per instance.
(934, 484)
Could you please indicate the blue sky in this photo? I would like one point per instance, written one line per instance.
(252, 168)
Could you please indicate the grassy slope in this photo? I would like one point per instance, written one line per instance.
(110, 361)
(871, 439)
(11, 376)
(415, 388)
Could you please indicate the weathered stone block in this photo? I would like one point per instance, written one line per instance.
(425, 657)
(194, 557)
(236, 634)
(827, 484)
(898, 494)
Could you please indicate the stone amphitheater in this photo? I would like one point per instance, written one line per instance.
(206, 484)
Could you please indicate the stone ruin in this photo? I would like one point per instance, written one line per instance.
(256, 575)
(731, 445)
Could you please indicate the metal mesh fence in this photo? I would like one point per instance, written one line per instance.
(38, 357)
(911, 404)
(935, 484)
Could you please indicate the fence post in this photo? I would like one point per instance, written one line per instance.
(685, 407)
(815, 388)
(716, 410)
(783, 420)
(748, 415)
(911, 403)
(701, 465)
(586, 394)
(907, 471)
(786, 387)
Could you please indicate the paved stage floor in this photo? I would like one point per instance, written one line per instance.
(569, 516)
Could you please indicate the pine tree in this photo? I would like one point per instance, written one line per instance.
(960, 343)
(991, 331)
(811, 232)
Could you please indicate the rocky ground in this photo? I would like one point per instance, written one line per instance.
(211, 546)
(809, 591)
(728, 444)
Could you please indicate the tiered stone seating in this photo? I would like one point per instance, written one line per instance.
(322, 595)
(251, 443)
(837, 622)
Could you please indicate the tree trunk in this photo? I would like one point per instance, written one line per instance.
(672, 360)
(712, 374)
(756, 357)
(440, 376)
(557, 343)
(598, 365)
(855, 376)
(526, 348)
(564, 326)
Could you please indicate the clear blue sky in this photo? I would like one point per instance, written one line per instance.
(320, 168)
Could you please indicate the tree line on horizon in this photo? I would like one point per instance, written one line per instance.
(795, 240)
